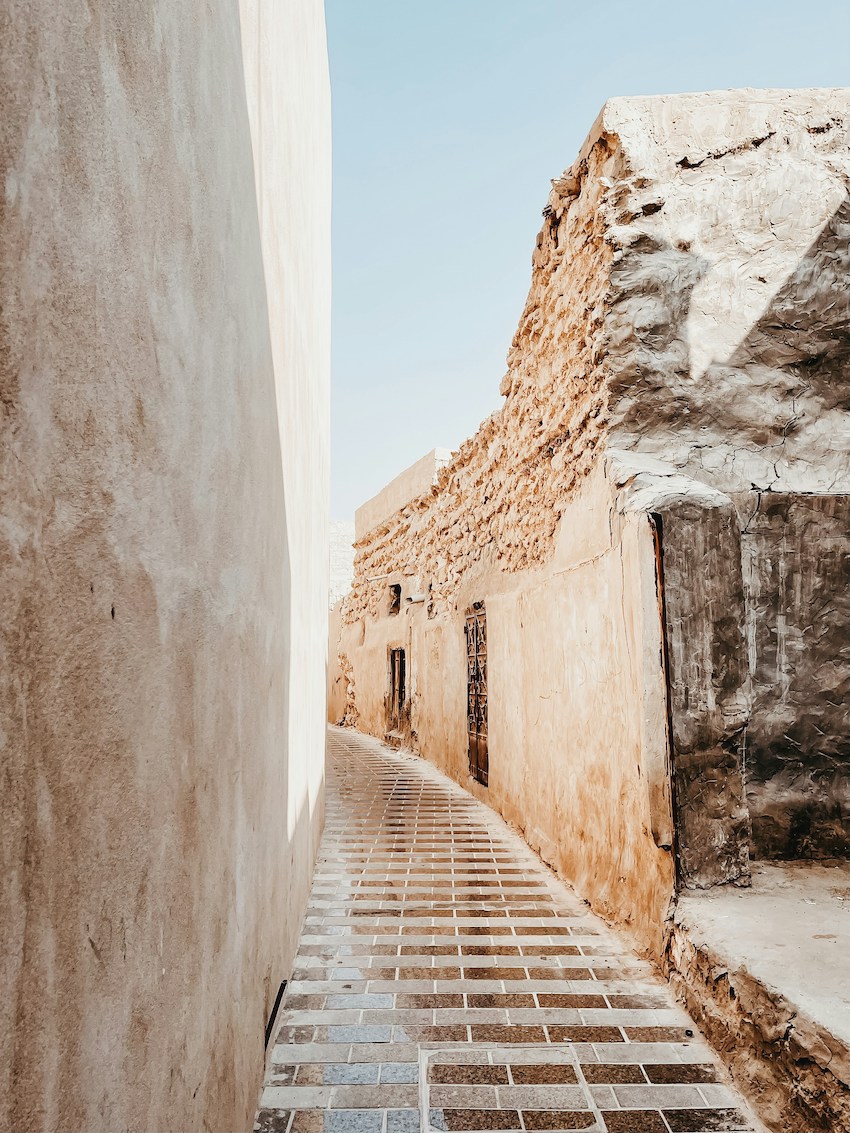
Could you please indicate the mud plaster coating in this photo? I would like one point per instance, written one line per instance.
(597, 680)
(688, 302)
(707, 666)
(149, 541)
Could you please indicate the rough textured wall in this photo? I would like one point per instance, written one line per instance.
(505, 485)
(796, 555)
(336, 685)
(576, 697)
(729, 343)
(707, 674)
(688, 300)
(726, 346)
(146, 571)
(764, 974)
(728, 354)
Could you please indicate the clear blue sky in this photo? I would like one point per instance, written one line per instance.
(450, 119)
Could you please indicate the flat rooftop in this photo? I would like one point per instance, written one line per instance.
(415, 481)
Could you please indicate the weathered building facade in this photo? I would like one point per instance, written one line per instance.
(164, 388)
(619, 613)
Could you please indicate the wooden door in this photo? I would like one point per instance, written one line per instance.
(397, 687)
(476, 691)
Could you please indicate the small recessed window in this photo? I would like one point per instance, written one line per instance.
(395, 598)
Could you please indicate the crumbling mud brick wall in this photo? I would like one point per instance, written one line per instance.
(688, 306)
(504, 486)
(660, 247)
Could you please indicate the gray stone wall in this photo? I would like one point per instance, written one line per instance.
(707, 680)
(728, 355)
(796, 560)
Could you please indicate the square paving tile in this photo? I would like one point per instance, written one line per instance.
(433, 927)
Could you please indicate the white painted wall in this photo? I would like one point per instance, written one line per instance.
(288, 90)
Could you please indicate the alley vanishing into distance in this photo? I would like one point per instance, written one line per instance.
(607, 631)
(447, 980)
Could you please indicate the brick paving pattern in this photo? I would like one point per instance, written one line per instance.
(446, 980)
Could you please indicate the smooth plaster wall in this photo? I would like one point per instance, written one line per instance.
(412, 482)
(288, 95)
(153, 542)
(576, 696)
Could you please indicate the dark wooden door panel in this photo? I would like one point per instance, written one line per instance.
(397, 688)
(476, 691)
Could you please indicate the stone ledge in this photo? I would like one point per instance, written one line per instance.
(770, 992)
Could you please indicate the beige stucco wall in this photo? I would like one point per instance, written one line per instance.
(414, 481)
(577, 724)
(288, 97)
(164, 374)
(335, 679)
(687, 311)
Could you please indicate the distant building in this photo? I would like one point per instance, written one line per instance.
(619, 614)
(341, 561)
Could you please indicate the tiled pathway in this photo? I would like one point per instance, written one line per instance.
(447, 980)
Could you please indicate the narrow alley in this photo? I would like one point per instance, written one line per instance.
(446, 980)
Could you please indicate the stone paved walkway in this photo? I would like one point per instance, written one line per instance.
(446, 980)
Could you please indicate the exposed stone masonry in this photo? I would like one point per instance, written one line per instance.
(654, 529)
(503, 489)
(662, 247)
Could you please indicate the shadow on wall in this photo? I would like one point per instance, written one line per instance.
(796, 555)
(796, 357)
(780, 576)
(806, 330)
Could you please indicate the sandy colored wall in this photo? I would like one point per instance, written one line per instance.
(153, 536)
(577, 721)
(688, 235)
(412, 482)
(335, 679)
(504, 487)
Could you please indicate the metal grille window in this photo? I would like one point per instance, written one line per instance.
(476, 691)
(397, 687)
